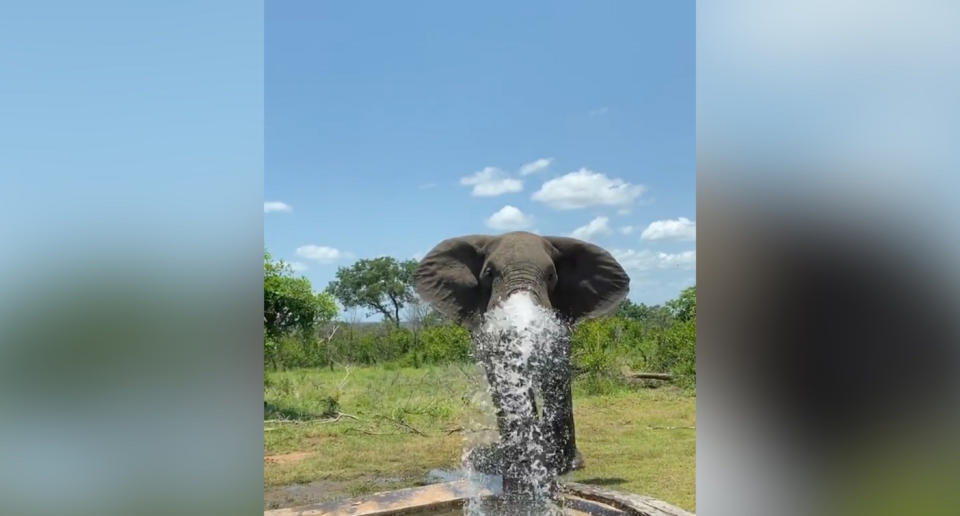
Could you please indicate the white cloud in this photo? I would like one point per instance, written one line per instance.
(646, 260)
(418, 255)
(491, 181)
(509, 218)
(598, 111)
(535, 166)
(671, 229)
(597, 226)
(298, 266)
(623, 211)
(585, 188)
(626, 230)
(321, 253)
(272, 206)
(427, 186)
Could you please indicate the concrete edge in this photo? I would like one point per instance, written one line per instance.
(637, 505)
(434, 497)
(401, 501)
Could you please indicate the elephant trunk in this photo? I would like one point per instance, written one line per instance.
(522, 277)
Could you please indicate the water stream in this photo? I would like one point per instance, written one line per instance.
(517, 344)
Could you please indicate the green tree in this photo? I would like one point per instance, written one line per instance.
(289, 302)
(684, 307)
(654, 316)
(382, 284)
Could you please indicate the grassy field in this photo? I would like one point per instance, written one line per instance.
(342, 433)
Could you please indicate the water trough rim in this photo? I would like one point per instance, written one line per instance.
(447, 495)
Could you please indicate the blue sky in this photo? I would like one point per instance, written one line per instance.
(391, 126)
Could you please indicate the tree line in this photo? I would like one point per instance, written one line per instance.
(301, 327)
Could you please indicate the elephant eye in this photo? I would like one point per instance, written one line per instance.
(487, 272)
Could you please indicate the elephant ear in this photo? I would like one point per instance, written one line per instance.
(448, 276)
(590, 282)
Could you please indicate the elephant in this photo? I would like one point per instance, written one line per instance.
(467, 276)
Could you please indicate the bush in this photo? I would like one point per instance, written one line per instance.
(291, 351)
(678, 352)
(641, 338)
(448, 343)
(654, 339)
(593, 343)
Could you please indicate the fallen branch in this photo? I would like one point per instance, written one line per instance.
(671, 427)
(414, 430)
(650, 376)
(339, 416)
(404, 425)
(367, 432)
(462, 429)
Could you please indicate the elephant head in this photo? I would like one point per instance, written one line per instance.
(466, 276)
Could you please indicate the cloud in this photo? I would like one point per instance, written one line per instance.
(509, 218)
(626, 230)
(598, 111)
(427, 186)
(321, 253)
(678, 229)
(646, 260)
(585, 188)
(491, 181)
(272, 206)
(418, 255)
(297, 266)
(535, 166)
(597, 226)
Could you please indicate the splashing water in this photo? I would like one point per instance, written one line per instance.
(517, 343)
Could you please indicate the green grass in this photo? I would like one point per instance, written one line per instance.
(409, 421)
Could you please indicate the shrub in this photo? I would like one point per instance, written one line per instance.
(447, 343)
(592, 344)
(655, 339)
(678, 351)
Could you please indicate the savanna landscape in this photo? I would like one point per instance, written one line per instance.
(353, 407)
(425, 164)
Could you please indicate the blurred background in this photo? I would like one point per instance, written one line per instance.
(131, 157)
(826, 192)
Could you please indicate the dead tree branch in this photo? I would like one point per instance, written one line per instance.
(650, 376)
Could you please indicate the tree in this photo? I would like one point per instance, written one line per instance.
(654, 316)
(417, 313)
(289, 302)
(382, 284)
(684, 307)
